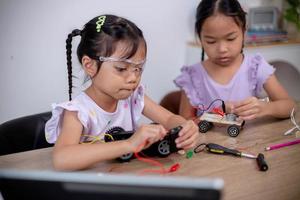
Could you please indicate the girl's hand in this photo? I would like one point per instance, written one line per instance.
(229, 107)
(188, 135)
(145, 136)
(248, 109)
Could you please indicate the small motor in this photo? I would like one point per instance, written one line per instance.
(231, 117)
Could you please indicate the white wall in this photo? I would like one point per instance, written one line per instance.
(32, 46)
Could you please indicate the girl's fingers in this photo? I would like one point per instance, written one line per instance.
(249, 117)
(246, 104)
(147, 135)
(246, 101)
(189, 138)
(187, 127)
(162, 132)
(253, 110)
(243, 108)
(229, 107)
(189, 143)
(158, 133)
(185, 135)
(248, 112)
(187, 131)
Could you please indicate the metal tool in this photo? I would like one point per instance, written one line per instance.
(218, 149)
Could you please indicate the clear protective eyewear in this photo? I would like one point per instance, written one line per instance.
(125, 66)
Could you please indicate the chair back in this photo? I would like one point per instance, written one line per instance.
(24, 133)
(171, 101)
(289, 77)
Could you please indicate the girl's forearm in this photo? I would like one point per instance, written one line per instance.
(75, 157)
(279, 108)
(175, 120)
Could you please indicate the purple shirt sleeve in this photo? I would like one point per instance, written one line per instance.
(191, 82)
(261, 70)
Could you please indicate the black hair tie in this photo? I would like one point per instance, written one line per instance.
(76, 32)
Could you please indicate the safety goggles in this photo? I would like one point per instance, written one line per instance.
(125, 66)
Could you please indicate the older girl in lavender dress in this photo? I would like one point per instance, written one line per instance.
(228, 73)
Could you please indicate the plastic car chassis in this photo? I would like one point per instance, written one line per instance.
(208, 119)
(161, 148)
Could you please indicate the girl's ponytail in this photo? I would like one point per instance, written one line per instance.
(74, 33)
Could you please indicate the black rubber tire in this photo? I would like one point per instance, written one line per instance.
(233, 130)
(126, 157)
(204, 126)
(163, 148)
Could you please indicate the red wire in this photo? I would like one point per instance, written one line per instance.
(218, 111)
(162, 170)
(214, 110)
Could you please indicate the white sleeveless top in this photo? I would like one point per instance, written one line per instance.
(95, 120)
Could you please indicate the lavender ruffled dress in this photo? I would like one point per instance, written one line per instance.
(248, 81)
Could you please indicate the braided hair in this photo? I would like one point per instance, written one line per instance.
(74, 33)
(207, 8)
(101, 40)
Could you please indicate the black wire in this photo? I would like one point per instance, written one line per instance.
(203, 110)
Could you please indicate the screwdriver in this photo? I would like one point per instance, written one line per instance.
(218, 149)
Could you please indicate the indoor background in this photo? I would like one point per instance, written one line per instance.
(33, 72)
